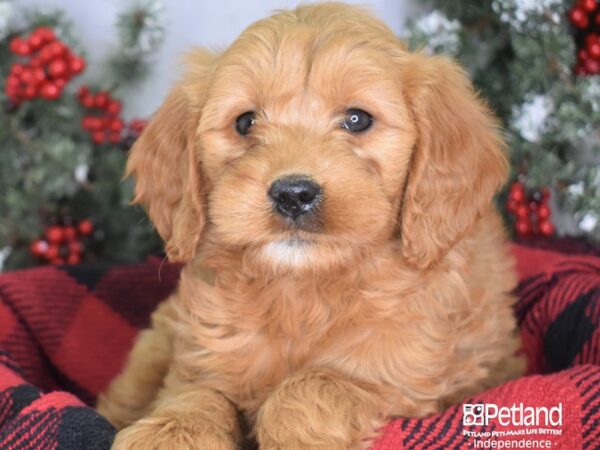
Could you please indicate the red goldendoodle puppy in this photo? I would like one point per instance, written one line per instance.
(330, 195)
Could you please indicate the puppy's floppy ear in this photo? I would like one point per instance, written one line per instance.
(166, 167)
(459, 161)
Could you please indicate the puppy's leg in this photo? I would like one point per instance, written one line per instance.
(321, 409)
(184, 418)
(130, 394)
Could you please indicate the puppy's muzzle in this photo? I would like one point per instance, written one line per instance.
(295, 197)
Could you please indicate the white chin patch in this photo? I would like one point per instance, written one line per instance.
(292, 252)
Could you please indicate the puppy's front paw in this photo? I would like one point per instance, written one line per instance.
(319, 411)
(282, 429)
(295, 435)
(168, 434)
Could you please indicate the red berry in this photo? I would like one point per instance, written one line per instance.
(583, 55)
(113, 107)
(52, 252)
(522, 211)
(50, 91)
(116, 125)
(87, 101)
(591, 38)
(46, 33)
(77, 65)
(38, 247)
(12, 91)
(115, 138)
(86, 122)
(517, 195)
(46, 54)
(36, 41)
(57, 261)
(38, 76)
(523, 227)
(578, 17)
(24, 49)
(76, 247)
(17, 69)
(36, 61)
(592, 67)
(27, 75)
(70, 233)
(58, 49)
(30, 92)
(588, 5)
(13, 81)
(91, 123)
(579, 70)
(98, 137)
(138, 126)
(85, 227)
(594, 50)
(546, 228)
(82, 92)
(101, 100)
(100, 124)
(58, 68)
(73, 258)
(55, 234)
(544, 212)
(14, 44)
(517, 186)
(20, 47)
(60, 83)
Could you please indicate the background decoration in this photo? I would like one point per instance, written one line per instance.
(63, 144)
(536, 63)
(530, 210)
(64, 139)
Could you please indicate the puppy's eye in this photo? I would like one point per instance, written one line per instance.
(357, 120)
(244, 122)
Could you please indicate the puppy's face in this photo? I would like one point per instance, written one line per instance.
(312, 138)
(305, 142)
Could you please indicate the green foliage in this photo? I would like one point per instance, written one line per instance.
(521, 55)
(49, 166)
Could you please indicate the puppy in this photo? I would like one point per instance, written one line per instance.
(330, 196)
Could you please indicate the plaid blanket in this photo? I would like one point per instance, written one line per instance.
(65, 332)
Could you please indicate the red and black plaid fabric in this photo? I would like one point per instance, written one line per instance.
(65, 332)
(30, 419)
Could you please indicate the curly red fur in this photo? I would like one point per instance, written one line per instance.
(398, 304)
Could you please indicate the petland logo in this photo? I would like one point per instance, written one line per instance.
(481, 414)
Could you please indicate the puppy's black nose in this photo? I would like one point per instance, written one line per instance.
(294, 195)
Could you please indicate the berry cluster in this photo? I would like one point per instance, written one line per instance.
(47, 67)
(531, 212)
(62, 244)
(106, 125)
(585, 17)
